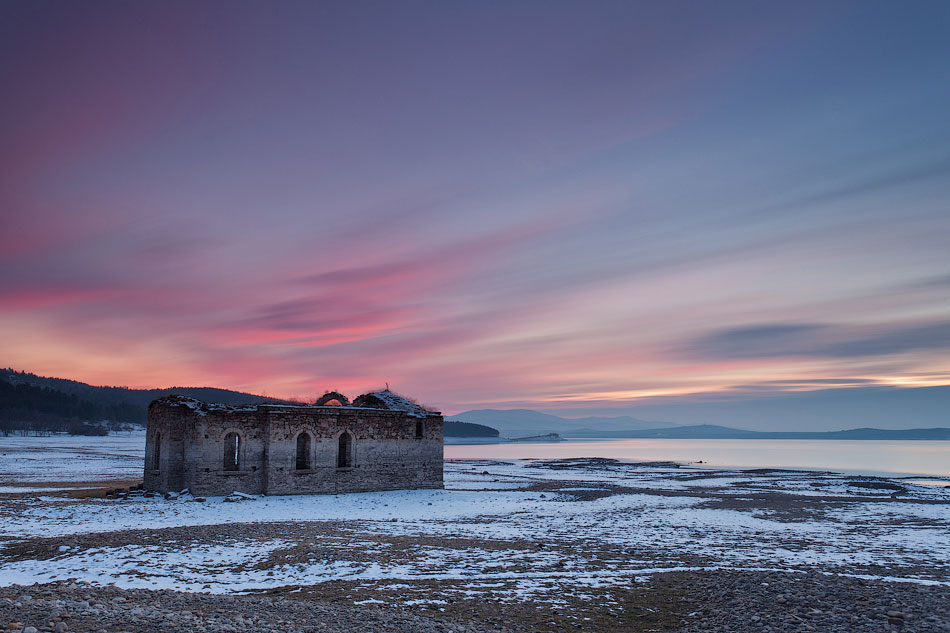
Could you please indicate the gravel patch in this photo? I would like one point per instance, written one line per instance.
(720, 601)
(768, 602)
(73, 607)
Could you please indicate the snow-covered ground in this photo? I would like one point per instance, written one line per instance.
(544, 530)
(69, 458)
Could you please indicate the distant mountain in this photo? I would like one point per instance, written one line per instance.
(712, 431)
(937, 433)
(819, 410)
(525, 422)
(698, 431)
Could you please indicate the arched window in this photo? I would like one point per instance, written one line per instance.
(157, 452)
(418, 429)
(303, 451)
(232, 451)
(344, 457)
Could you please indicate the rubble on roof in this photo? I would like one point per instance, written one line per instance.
(200, 407)
(386, 399)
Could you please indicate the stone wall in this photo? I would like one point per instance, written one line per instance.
(204, 455)
(164, 470)
(385, 452)
(388, 449)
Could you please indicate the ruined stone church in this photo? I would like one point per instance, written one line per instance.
(380, 441)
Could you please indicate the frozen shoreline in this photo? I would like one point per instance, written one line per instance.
(673, 518)
(553, 533)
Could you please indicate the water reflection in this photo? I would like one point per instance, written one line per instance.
(883, 457)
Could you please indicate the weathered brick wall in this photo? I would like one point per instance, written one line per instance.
(386, 455)
(385, 452)
(204, 458)
(171, 425)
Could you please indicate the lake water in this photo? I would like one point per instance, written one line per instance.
(869, 457)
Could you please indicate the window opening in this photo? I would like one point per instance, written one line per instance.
(157, 457)
(418, 429)
(232, 451)
(344, 458)
(303, 451)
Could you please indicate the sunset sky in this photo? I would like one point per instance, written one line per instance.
(564, 206)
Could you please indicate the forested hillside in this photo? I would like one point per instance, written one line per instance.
(39, 409)
(454, 428)
(125, 395)
(31, 403)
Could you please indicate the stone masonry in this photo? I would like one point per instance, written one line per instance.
(379, 442)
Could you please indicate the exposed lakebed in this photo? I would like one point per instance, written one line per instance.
(579, 544)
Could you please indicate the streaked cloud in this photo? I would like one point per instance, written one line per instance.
(779, 340)
(533, 205)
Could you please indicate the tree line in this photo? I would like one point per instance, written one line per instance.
(30, 409)
(40, 404)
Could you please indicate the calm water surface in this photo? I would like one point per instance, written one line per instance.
(872, 457)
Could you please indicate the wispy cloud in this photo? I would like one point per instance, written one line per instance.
(779, 340)
(587, 206)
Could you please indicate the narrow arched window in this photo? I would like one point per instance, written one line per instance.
(157, 452)
(303, 451)
(232, 451)
(344, 457)
(418, 429)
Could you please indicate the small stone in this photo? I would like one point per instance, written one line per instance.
(60, 627)
(895, 614)
(30, 629)
(15, 626)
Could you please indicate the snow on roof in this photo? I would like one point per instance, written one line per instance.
(200, 407)
(395, 402)
(387, 399)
